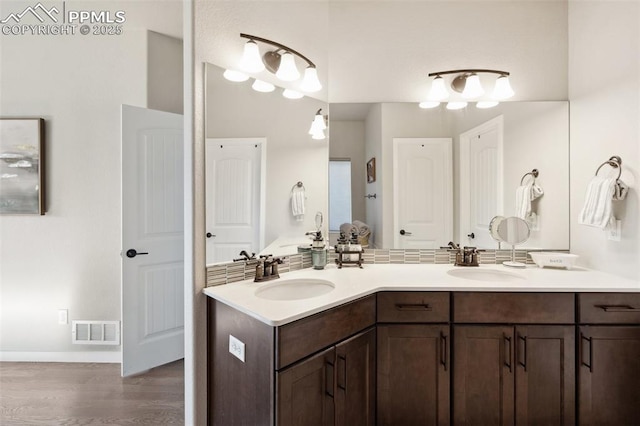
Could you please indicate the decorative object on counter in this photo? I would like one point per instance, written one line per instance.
(601, 192)
(297, 201)
(511, 230)
(554, 259)
(467, 82)
(493, 229)
(348, 252)
(22, 187)
(283, 65)
(525, 194)
(371, 170)
(318, 245)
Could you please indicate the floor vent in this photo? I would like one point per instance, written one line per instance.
(95, 332)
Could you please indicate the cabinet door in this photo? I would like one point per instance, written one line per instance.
(545, 375)
(609, 375)
(413, 375)
(305, 392)
(356, 380)
(483, 365)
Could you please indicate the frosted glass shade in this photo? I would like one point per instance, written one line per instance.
(438, 92)
(292, 94)
(456, 105)
(472, 87)
(319, 135)
(428, 104)
(502, 89)
(317, 125)
(236, 76)
(262, 86)
(310, 82)
(287, 71)
(251, 60)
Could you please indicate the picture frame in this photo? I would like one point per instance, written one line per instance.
(22, 178)
(371, 170)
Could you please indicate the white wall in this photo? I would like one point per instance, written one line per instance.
(604, 91)
(164, 73)
(348, 141)
(70, 258)
(235, 110)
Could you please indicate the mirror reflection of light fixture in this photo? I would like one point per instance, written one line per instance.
(263, 86)
(467, 83)
(280, 61)
(456, 105)
(292, 94)
(318, 125)
(236, 76)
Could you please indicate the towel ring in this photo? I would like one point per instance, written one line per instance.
(298, 185)
(615, 162)
(533, 173)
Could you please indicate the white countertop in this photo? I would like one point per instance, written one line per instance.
(352, 283)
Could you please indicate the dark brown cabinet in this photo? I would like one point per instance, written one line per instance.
(335, 387)
(413, 374)
(521, 373)
(609, 377)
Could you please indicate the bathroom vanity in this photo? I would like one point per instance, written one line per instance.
(427, 345)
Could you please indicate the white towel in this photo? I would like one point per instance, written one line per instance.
(597, 210)
(297, 203)
(525, 194)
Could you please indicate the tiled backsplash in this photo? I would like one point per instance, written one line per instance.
(225, 273)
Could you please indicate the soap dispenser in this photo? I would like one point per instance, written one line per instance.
(318, 246)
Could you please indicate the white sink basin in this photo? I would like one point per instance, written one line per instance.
(295, 289)
(489, 275)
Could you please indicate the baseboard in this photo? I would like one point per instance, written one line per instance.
(87, 356)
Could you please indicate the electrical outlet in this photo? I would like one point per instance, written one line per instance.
(236, 348)
(614, 233)
(63, 316)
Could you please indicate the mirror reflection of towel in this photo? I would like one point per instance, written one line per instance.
(297, 203)
(525, 194)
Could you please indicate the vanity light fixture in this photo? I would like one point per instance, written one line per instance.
(236, 76)
(292, 94)
(280, 61)
(263, 86)
(318, 125)
(467, 83)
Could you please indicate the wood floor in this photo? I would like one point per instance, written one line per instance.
(89, 394)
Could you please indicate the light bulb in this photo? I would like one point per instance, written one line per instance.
(287, 71)
(310, 82)
(428, 104)
(438, 92)
(236, 76)
(251, 60)
(262, 86)
(292, 94)
(486, 104)
(502, 89)
(456, 105)
(472, 87)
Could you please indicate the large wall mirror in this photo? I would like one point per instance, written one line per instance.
(446, 173)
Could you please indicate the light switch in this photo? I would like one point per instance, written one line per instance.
(236, 348)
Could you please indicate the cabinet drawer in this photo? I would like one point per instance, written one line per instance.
(413, 306)
(537, 308)
(301, 338)
(609, 308)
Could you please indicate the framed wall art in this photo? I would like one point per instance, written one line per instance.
(22, 166)
(371, 170)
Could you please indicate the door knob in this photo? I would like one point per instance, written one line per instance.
(471, 235)
(403, 232)
(131, 253)
(209, 235)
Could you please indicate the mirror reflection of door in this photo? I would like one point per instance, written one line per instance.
(423, 192)
(235, 186)
(480, 182)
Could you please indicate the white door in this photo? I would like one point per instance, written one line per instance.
(481, 193)
(152, 238)
(235, 182)
(423, 192)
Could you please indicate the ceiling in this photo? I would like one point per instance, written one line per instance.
(382, 51)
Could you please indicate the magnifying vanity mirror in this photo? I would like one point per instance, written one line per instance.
(513, 231)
